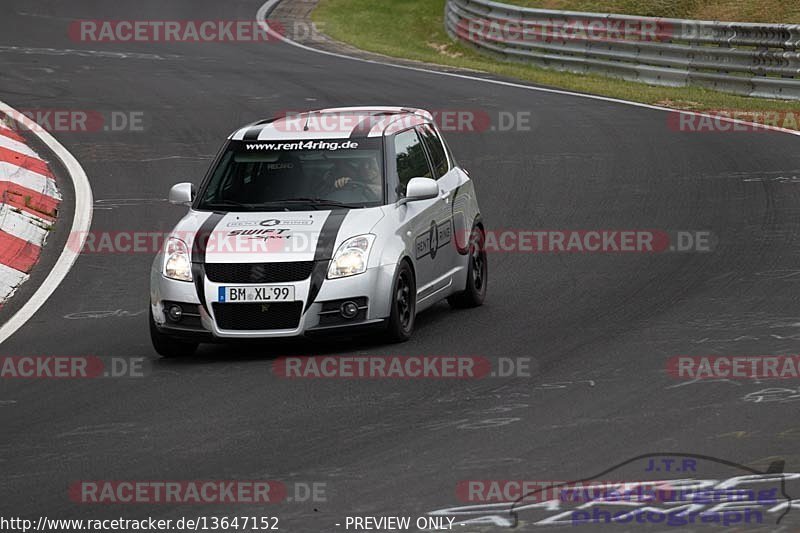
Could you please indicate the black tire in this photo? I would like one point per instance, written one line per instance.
(168, 347)
(404, 304)
(477, 274)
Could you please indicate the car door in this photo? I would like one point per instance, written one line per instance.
(420, 220)
(449, 180)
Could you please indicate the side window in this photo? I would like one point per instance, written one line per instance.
(411, 159)
(435, 149)
(221, 178)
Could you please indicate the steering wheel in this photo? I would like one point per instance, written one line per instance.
(367, 192)
(328, 183)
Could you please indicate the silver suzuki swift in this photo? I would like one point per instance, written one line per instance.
(326, 221)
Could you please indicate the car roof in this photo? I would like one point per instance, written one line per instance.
(334, 123)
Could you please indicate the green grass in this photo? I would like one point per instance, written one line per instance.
(414, 29)
(785, 11)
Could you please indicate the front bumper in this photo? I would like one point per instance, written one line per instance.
(373, 286)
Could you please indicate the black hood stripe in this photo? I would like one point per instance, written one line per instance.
(203, 235)
(199, 248)
(324, 252)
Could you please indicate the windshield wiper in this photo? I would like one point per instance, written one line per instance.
(313, 201)
(229, 203)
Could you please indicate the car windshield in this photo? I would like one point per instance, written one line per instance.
(295, 175)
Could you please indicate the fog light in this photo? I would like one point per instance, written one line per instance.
(175, 313)
(348, 310)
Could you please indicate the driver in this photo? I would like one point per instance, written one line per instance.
(369, 176)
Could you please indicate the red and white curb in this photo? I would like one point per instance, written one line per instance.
(29, 202)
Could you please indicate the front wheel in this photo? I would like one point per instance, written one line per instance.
(477, 273)
(404, 304)
(166, 346)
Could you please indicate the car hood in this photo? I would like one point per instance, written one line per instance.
(272, 237)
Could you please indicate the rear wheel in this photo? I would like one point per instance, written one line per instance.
(404, 304)
(477, 273)
(166, 346)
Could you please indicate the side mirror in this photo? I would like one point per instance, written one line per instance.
(181, 194)
(420, 189)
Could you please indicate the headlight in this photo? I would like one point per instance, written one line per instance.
(177, 262)
(351, 257)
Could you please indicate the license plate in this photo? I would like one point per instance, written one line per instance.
(272, 293)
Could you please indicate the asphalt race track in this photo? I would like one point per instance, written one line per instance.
(599, 328)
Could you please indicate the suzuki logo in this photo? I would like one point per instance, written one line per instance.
(258, 273)
(264, 308)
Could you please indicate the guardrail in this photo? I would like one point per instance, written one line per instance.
(744, 58)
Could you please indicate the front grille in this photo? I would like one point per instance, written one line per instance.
(256, 316)
(259, 272)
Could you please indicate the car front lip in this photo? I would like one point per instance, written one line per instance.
(370, 284)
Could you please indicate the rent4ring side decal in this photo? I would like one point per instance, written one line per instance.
(434, 239)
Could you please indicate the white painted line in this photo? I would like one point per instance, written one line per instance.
(81, 222)
(23, 225)
(86, 53)
(10, 279)
(22, 148)
(261, 16)
(28, 179)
